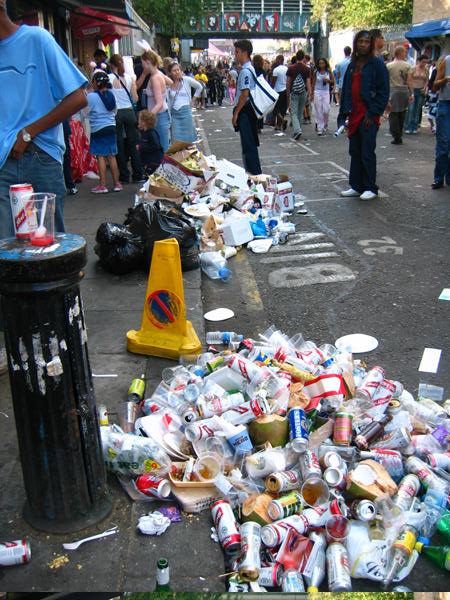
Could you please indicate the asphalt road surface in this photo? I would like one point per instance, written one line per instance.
(374, 267)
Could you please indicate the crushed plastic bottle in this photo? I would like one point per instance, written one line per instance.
(214, 264)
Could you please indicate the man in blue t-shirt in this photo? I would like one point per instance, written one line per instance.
(340, 71)
(39, 88)
(244, 118)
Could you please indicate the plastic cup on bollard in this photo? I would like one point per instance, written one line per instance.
(337, 528)
(315, 491)
(41, 218)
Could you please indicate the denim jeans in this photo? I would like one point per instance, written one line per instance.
(163, 129)
(297, 105)
(442, 164)
(45, 175)
(415, 111)
(363, 163)
(250, 155)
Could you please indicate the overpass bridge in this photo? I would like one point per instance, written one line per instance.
(255, 18)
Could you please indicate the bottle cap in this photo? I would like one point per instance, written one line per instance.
(224, 273)
(419, 546)
(312, 589)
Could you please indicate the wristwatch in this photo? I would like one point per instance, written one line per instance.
(26, 136)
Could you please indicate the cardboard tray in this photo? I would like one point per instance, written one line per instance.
(189, 485)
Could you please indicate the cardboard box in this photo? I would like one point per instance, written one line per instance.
(266, 199)
(232, 174)
(236, 232)
(285, 196)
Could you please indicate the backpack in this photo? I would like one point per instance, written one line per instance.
(298, 85)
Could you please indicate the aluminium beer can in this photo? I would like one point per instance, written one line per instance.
(17, 552)
(226, 526)
(338, 568)
(250, 560)
(22, 209)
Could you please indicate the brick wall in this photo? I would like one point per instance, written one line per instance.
(428, 10)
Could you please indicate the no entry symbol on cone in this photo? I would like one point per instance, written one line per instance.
(163, 308)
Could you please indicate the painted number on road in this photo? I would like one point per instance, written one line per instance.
(389, 246)
(293, 277)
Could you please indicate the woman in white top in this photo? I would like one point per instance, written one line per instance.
(322, 79)
(156, 94)
(124, 90)
(180, 95)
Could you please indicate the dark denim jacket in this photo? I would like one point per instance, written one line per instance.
(374, 89)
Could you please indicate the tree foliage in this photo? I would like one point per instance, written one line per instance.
(363, 13)
(172, 16)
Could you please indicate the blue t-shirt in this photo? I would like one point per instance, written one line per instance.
(35, 75)
(246, 80)
(341, 68)
(99, 116)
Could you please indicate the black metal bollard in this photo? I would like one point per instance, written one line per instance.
(51, 384)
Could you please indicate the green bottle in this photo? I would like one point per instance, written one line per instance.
(444, 526)
(162, 576)
(440, 555)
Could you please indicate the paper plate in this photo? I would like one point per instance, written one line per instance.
(219, 314)
(356, 343)
(199, 211)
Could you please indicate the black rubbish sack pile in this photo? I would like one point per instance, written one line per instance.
(124, 248)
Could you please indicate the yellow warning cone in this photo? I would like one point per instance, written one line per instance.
(164, 329)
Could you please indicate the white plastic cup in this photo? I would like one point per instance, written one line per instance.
(208, 466)
(41, 218)
(315, 492)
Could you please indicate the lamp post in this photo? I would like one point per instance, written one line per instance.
(306, 29)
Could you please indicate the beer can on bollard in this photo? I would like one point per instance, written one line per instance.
(309, 465)
(21, 209)
(408, 488)
(17, 552)
(250, 561)
(286, 506)
(283, 481)
(298, 431)
(363, 510)
(342, 430)
(273, 535)
(226, 526)
(338, 568)
(271, 576)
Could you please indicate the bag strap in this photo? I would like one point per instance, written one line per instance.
(125, 88)
(262, 88)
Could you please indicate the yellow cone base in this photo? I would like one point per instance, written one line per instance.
(169, 346)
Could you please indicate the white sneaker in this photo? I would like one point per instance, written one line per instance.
(3, 361)
(368, 195)
(350, 193)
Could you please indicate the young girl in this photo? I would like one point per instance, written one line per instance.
(323, 78)
(150, 150)
(102, 119)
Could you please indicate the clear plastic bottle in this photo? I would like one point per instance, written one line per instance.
(215, 265)
(402, 549)
(223, 337)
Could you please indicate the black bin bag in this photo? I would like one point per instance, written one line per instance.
(119, 250)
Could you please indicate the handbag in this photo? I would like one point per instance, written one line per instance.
(263, 97)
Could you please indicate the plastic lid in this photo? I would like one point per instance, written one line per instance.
(419, 545)
(312, 589)
(224, 274)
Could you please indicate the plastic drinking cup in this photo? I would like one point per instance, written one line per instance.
(337, 528)
(315, 491)
(41, 218)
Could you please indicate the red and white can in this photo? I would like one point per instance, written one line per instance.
(440, 460)
(309, 465)
(154, 486)
(271, 576)
(370, 383)
(226, 526)
(408, 488)
(243, 366)
(17, 552)
(274, 534)
(283, 480)
(21, 209)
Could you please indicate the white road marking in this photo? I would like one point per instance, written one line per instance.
(294, 277)
(291, 243)
(294, 257)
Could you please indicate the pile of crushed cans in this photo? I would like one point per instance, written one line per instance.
(316, 467)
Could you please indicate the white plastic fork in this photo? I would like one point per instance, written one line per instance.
(75, 545)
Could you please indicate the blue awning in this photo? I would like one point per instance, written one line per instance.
(428, 30)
